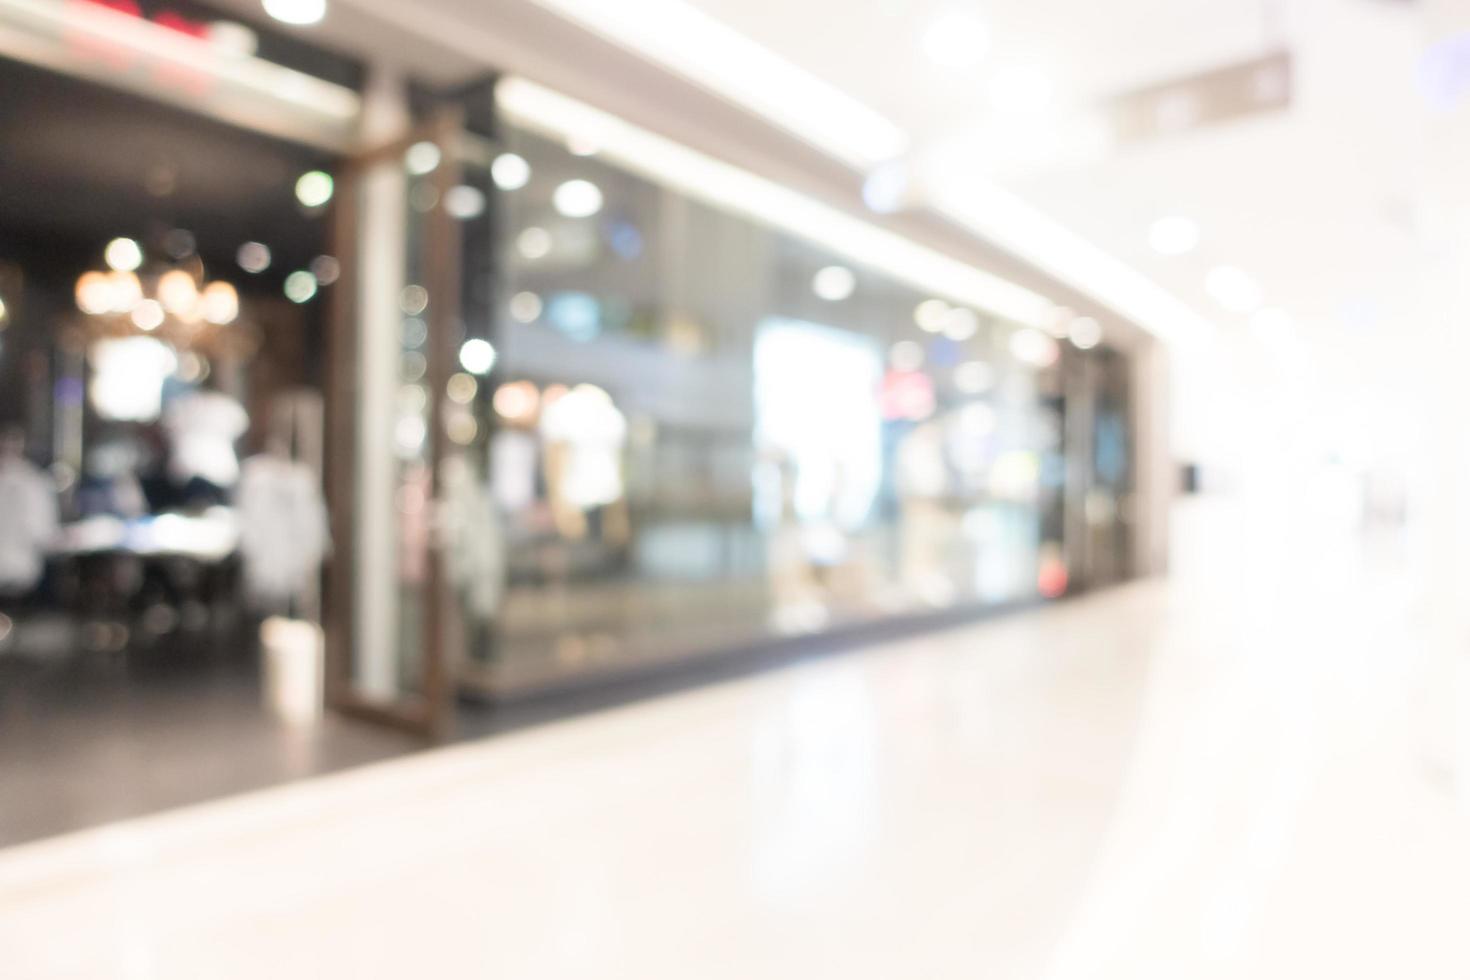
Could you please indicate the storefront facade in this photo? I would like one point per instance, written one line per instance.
(593, 404)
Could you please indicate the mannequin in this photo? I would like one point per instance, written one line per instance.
(283, 528)
(28, 517)
(203, 427)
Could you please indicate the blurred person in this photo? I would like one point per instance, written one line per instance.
(110, 484)
(797, 595)
(203, 427)
(283, 527)
(414, 496)
(584, 433)
(925, 527)
(473, 540)
(513, 456)
(28, 517)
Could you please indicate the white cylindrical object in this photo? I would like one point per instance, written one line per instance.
(292, 654)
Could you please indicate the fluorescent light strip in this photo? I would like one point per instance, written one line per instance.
(723, 185)
(694, 44)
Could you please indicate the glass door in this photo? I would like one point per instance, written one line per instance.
(396, 333)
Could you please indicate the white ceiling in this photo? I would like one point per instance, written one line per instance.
(1321, 203)
(1324, 218)
(873, 49)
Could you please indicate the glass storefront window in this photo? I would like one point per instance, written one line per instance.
(707, 433)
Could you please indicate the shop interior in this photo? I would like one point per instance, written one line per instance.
(164, 278)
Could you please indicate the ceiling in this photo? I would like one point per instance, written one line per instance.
(1321, 203)
(874, 49)
(72, 188)
(1326, 221)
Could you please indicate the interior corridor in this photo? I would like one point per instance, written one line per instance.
(1217, 775)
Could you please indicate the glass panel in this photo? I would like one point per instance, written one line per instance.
(391, 550)
(473, 534)
(708, 432)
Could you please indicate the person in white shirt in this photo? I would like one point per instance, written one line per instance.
(283, 528)
(28, 517)
(203, 427)
(584, 434)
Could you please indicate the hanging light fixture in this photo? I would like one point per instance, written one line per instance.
(122, 300)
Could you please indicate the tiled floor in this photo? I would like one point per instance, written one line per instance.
(1220, 776)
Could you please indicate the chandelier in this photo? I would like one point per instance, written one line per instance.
(175, 303)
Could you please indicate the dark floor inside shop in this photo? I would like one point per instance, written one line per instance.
(148, 727)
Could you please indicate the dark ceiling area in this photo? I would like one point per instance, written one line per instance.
(84, 164)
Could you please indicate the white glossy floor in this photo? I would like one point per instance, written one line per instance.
(1248, 771)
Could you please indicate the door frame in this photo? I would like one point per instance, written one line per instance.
(431, 712)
